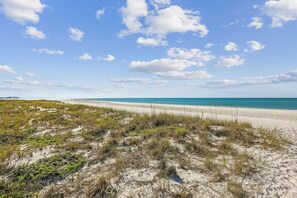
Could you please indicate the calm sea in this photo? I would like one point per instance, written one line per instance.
(262, 103)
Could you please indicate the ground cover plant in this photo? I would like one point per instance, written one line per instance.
(52, 149)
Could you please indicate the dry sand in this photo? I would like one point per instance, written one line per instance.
(272, 118)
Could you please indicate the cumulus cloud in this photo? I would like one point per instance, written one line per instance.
(197, 55)
(230, 61)
(109, 58)
(131, 15)
(76, 34)
(174, 19)
(169, 68)
(251, 81)
(22, 11)
(30, 74)
(49, 52)
(151, 41)
(255, 45)
(100, 13)
(34, 33)
(280, 11)
(230, 46)
(162, 20)
(138, 80)
(256, 23)
(85, 57)
(7, 69)
(161, 65)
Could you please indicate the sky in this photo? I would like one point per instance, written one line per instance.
(148, 48)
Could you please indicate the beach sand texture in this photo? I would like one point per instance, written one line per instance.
(279, 172)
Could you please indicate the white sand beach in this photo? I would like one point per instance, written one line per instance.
(272, 118)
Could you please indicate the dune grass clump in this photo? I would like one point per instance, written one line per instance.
(236, 189)
(271, 140)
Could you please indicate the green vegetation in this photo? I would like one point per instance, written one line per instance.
(28, 179)
(117, 141)
(236, 190)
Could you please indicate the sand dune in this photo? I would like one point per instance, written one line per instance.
(272, 118)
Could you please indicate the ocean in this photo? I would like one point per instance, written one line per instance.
(259, 103)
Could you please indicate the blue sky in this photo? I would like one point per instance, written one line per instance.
(148, 48)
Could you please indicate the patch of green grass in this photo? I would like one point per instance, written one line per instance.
(74, 146)
(36, 141)
(236, 190)
(159, 148)
(29, 179)
(176, 132)
(270, 139)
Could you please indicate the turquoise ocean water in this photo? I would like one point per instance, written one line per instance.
(261, 103)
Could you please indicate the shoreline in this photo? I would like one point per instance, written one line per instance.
(268, 118)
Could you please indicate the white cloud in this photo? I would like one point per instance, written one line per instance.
(280, 11)
(109, 58)
(169, 68)
(174, 19)
(159, 22)
(85, 57)
(197, 55)
(7, 69)
(251, 81)
(76, 34)
(34, 33)
(160, 3)
(255, 45)
(256, 23)
(161, 65)
(230, 46)
(22, 11)
(230, 61)
(185, 75)
(30, 74)
(209, 45)
(100, 13)
(49, 52)
(132, 13)
(151, 41)
(19, 79)
(24, 83)
(138, 80)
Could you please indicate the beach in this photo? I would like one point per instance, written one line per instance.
(278, 173)
(271, 118)
(122, 154)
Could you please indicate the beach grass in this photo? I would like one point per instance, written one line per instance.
(117, 141)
